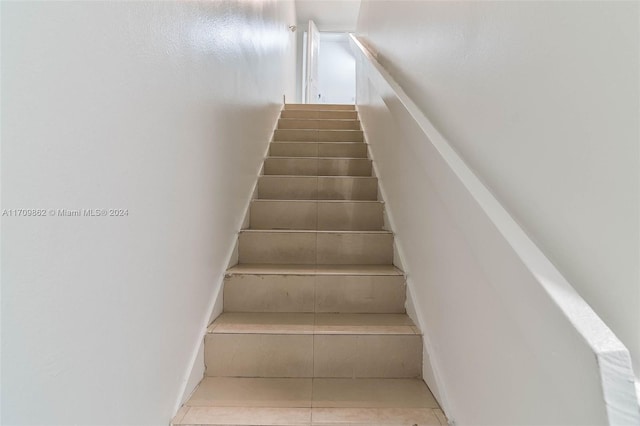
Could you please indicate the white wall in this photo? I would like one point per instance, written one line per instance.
(161, 108)
(336, 69)
(541, 99)
(329, 15)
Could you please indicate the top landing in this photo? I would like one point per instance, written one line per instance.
(325, 107)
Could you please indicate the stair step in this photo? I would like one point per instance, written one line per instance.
(252, 392)
(320, 107)
(308, 392)
(329, 215)
(312, 323)
(317, 188)
(317, 166)
(312, 135)
(269, 416)
(254, 292)
(315, 247)
(313, 345)
(319, 149)
(320, 115)
(289, 269)
(264, 401)
(305, 123)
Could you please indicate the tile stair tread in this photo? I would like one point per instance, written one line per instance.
(322, 130)
(260, 200)
(318, 114)
(334, 119)
(277, 416)
(284, 269)
(311, 392)
(312, 128)
(310, 177)
(312, 323)
(316, 158)
(341, 142)
(301, 231)
(310, 142)
(320, 107)
(344, 142)
(309, 104)
(350, 120)
(295, 401)
(319, 119)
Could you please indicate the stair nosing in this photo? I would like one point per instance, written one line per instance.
(308, 324)
(315, 176)
(316, 158)
(318, 231)
(317, 201)
(340, 142)
(325, 130)
(336, 142)
(319, 119)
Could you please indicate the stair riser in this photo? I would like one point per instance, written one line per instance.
(320, 115)
(288, 123)
(360, 294)
(316, 215)
(310, 293)
(317, 188)
(317, 166)
(319, 107)
(278, 355)
(310, 149)
(315, 248)
(298, 135)
(259, 355)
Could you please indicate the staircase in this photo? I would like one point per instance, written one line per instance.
(314, 329)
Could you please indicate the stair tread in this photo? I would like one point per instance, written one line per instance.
(317, 104)
(302, 416)
(288, 401)
(263, 200)
(316, 231)
(326, 142)
(284, 269)
(311, 142)
(315, 177)
(320, 130)
(312, 323)
(311, 392)
(320, 107)
(318, 119)
(317, 158)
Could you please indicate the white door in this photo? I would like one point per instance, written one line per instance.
(313, 50)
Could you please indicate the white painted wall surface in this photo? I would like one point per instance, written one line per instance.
(161, 108)
(507, 340)
(337, 69)
(329, 15)
(541, 99)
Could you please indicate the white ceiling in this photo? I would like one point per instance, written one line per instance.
(329, 15)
